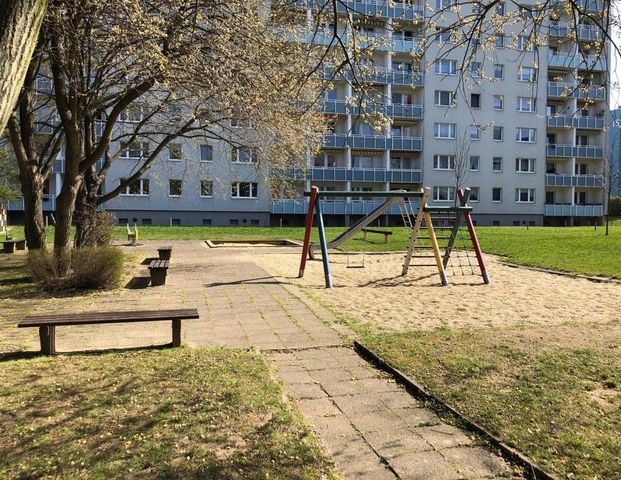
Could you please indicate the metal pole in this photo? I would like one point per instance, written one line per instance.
(324, 246)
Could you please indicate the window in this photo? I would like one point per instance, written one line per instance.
(446, 67)
(580, 169)
(525, 135)
(206, 188)
(207, 222)
(444, 162)
(131, 115)
(175, 222)
(243, 155)
(475, 69)
(580, 198)
(244, 190)
(496, 194)
(524, 43)
(147, 221)
(139, 187)
(445, 98)
(527, 74)
(526, 104)
(174, 151)
(497, 164)
(474, 194)
(525, 165)
(500, 8)
(44, 83)
(444, 130)
(441, 4)
(475, 132)
(525, 195)
(495, 223)
(443, 35)
(498, 133)
(516, 223)
(474, 163)
(402, 99)
(135, 150)
(123, 221)
(233, 222)
(174, 187)
(254, 222)
(444, 194)
(499, 40)
(475, 100)
(499, 102)
(499, 71)
(206, 153)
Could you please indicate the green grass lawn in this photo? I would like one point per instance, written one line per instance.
(574, 249)
(172, 413)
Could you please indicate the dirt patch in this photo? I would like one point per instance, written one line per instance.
(387, 302)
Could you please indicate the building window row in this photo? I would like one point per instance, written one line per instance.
(447, 162)
(140, 187)
(446, 66)
(447, 131)
(140, 150)
(447, 194)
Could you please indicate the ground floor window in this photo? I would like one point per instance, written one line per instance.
(444, 194)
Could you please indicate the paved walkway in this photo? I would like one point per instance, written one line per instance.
(369, 425)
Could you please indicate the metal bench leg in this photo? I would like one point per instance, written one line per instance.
(176, 333)
(47, 336)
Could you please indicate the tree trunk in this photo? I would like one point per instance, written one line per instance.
(65, 205)
(34, 225)
(20, 21)
(85, 219)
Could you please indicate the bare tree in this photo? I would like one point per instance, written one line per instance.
(461, 161)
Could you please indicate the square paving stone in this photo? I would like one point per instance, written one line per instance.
(444, 436)
(398, 399)
(428, 465)
(317, 407)
(378, 421)
(353, 405)
(304, 390)
(476, 462)
(390, 444)
(345, 387)
(417, 417)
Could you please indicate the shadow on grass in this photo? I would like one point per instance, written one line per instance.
(28, 355)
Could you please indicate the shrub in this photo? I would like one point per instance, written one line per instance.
(614, 207)
(91, 268)
(94, 229)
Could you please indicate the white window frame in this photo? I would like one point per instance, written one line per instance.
(437, 130)
(532, 135)
(438, 97)
(438, 190)
(142, 182)
(170, 152)
(200, 152)
(144, 151)
(252, 188)
(235, 157)
(170, 195)
(501, 129)
(502, 102)
(530, 167)
(499, 40)
(494, 170)
(501, 70)
(476, 129)
(531, 77)
(131, 115)
(476, 69)
(531, 102)
(500, 189)
(201, 189)
(451, 64)
(530, 194)
(478, 163)
(478, 194)
(480, 101)
(440, 160)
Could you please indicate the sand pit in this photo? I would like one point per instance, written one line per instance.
(379, 296)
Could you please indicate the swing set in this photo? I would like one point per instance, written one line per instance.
(418, 217)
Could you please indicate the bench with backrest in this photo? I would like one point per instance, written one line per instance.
(15, 243)
(47, 323)
(165, 252)
(158, 270)
(371, 230)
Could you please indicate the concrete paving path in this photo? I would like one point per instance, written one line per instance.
(370, 426)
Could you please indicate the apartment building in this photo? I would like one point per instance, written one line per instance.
(615, 152)
(527, 121)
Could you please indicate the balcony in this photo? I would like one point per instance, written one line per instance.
(329, 207)
(567, 180)
(582, 151)
(565, 90)
(342, 107)
(377, 74)
(373, 142)
(354, 174)
(583, 32)
(372, 8)
(567, 210)
(587, 123)
(575, 60)
(49, 204)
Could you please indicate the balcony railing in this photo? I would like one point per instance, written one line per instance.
(564, 90)
(372, 8)
(582, 151)
(373, 142)
(592, 123)
(377, 74)
(329, 207)
(354, 174)
(583, 32)
(342, 107)
(49, 204)
(575, 60)
(567, 210)
(567, 180)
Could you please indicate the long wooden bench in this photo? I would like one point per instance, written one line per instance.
(15, 243)
(371, 230)
(47, 323)
(158, 270)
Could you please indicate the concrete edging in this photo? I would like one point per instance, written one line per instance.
(563, 274)
(532, 470)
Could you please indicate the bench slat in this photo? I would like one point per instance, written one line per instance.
(159, 264)
(108, 317)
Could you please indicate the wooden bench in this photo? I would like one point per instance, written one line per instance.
(165, 252)
(371, 230)
(11, 245)
(158, 270)
(47, 323)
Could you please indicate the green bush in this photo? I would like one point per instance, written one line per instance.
(91, 268)
(94, 228)
(614, 207)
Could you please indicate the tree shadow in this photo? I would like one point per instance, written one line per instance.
(249, 281)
